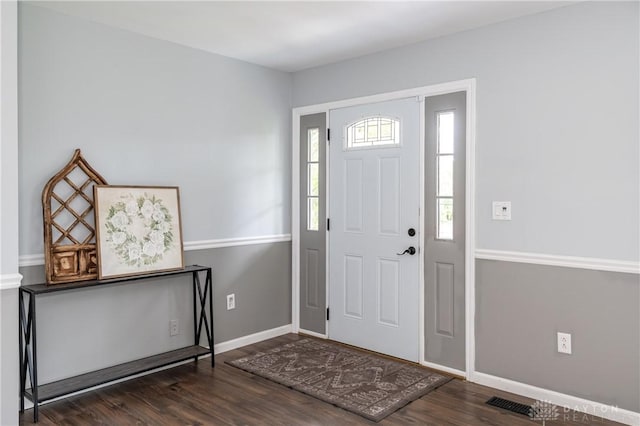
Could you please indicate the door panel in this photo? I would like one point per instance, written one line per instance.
(313, 241)
(353, 195)
(312, 273)
(444, 228)
(389, 291)
(374, 200)
(353, 271)
(389, 190)
(444, 299)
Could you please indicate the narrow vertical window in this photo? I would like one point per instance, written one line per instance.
(444, 168)
(313, 179)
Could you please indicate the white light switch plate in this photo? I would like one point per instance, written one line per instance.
(501, 210)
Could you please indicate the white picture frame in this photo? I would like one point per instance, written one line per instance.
(138, 230)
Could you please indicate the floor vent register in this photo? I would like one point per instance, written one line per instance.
(512, 406)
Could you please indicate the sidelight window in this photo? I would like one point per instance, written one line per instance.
(445, 167)
(313, 178)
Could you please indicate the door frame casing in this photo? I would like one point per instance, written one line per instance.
(469, 87)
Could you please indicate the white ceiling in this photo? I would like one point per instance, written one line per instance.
(295, 35)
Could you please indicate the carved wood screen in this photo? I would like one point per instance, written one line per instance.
(69, 224)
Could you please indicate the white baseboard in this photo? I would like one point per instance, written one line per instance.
(312, 333)
(445, 369)
(219, 348)
(581, 405)
(230, 345)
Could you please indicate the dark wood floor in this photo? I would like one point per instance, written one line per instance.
(196, 394)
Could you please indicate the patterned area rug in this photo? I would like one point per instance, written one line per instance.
(360, 382)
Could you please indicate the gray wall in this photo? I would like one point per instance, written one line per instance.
(260, 277)
(88, 329)
(149, 112)
(558, 136)
(520, 308)
(557, 122)
(9, 385)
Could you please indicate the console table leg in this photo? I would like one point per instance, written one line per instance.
(209, 283)
(23, 373)
(34, 354)
(196, 336)
(28, 350)
(206, 314)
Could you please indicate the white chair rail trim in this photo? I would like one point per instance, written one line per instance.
(611, 265)
(9, 281)
(38, 259)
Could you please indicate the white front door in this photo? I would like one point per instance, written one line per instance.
(374, 218)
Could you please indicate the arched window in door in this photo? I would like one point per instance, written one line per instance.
(373, 132)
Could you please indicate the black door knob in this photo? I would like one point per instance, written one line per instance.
(411, 232)
(410, 251)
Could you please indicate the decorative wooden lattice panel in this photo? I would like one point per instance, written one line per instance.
(69, 224)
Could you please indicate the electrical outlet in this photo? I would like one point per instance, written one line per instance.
(564, 343)
(231, 301)
(173, 327)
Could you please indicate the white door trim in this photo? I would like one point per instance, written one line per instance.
(421, 228)
(469, 86)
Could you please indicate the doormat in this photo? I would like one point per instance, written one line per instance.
(366, 384)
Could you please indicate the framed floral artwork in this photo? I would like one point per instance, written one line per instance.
(138, 230)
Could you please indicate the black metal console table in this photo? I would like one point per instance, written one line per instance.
(202, 317)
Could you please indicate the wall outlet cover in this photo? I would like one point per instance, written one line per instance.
(231, 301)
(564, 343)
(173, 327)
